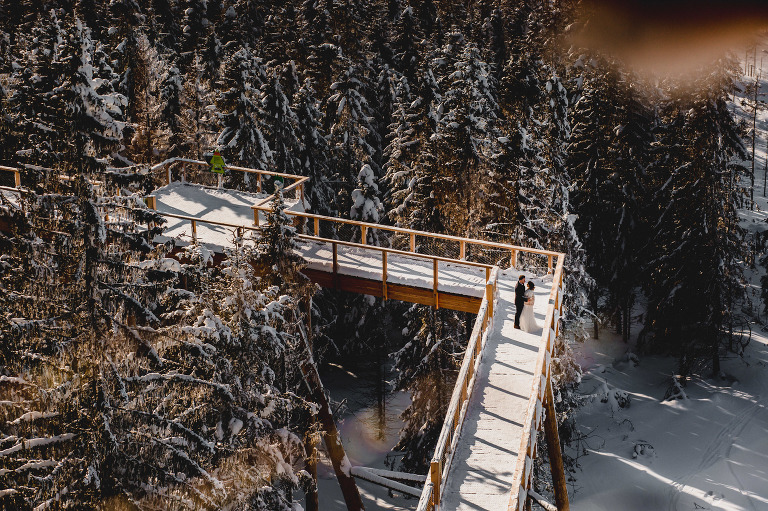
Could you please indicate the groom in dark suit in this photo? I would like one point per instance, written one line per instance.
(519, 299)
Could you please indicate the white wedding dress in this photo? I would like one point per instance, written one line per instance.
(527, 321)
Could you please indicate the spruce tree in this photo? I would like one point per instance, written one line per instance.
(240, 111)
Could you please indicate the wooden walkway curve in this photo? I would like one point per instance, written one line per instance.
(503, 394)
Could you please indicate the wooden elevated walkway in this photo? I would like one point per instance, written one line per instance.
(503, 394)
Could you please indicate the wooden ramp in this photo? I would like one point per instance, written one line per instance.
(482, 470)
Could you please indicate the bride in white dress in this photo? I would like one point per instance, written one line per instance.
(527, 321)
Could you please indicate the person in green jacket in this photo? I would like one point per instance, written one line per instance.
(217, 163)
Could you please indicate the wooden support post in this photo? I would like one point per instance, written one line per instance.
(413, 242)
(553, 447)
(549, 264)
(335, 248)
(301, 194)
(462, 250)
(219, 179)
(310, 446)
(384, 274)
(317, 227)
(194, 231)
(255, 216)
(17, 178)
(332, 440)
(514, 259)
(363, 234)
(168, 173)
(434, 282)
(435, 472)
(258, 183)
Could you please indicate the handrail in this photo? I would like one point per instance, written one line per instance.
(16, 174)
(523, 474)
(299, 180)
(457, 407)
(401, 230)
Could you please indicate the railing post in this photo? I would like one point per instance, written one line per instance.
(514, 259)
(434, 283)
(384, 274)
(168, 173)
(489, 295)
(413, 242)
(435, 472)
(219, 179)
(151, 201)
(258, 183)
(317, 227)
(194, 231)
(335, 249)
(462, 250)
(549, 264)
(17, 178)
(255, 216)
(364, 234)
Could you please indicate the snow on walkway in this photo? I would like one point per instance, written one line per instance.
(411, 271)
(208, 203)
(480, 477)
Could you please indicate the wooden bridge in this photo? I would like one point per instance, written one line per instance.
(503, 393)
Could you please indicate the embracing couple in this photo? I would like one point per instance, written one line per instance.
(524, 299)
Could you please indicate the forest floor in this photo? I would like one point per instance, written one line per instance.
(709, 451)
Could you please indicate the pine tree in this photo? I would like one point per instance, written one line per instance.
(427, 363)
(314, 154)
(85, 128)
(352, 135)
(277, 259)
(280, 120)
(241, 138)
(695, 277)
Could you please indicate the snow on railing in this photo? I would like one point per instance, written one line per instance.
(457, 408)
(540, 401)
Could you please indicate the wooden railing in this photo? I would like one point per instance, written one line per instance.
(335, 244)
(457, 408)
(541, 397)
(459, 247)
(297, 186)
(16, 175)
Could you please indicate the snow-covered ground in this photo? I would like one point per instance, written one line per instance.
(709, 451)
(367, 438)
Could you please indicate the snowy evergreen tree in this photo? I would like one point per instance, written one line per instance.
(314, 154)
(366, 205)
(85, 126)
(695, 276)
(276, 258)
(352, 135)
(281, 121)
(239, 103)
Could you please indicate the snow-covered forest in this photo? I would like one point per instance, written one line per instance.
(132, 380)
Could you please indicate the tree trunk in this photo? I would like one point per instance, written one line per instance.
(341, 464)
